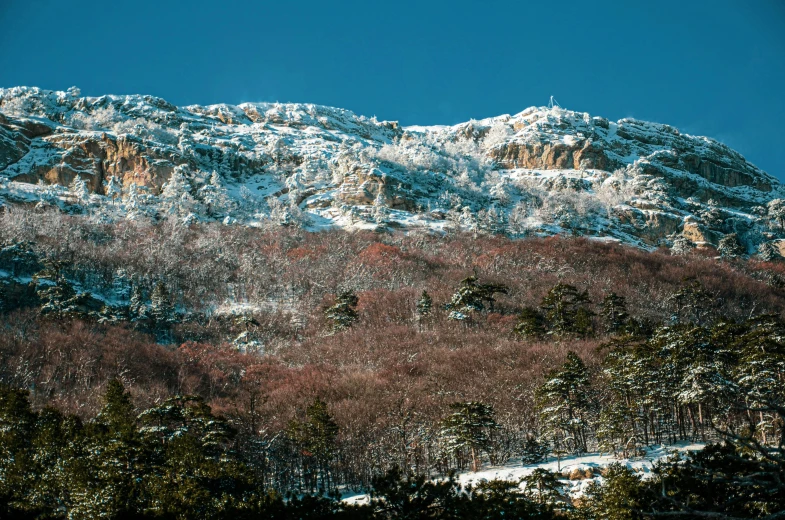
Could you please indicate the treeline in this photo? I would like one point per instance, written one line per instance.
(178, 460)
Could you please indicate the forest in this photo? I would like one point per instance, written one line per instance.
(206, 371)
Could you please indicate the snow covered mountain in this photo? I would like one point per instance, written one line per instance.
(543, 171)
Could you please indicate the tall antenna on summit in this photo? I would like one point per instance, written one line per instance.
(553, 103)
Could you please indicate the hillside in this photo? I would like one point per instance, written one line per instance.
(540, 172)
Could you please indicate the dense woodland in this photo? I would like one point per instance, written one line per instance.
(213, 372)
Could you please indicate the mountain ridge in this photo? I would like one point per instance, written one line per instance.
(542, 171)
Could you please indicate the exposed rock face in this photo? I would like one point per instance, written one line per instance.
(553, 156)
(542, 170)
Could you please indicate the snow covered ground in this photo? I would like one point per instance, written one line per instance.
(515, 471)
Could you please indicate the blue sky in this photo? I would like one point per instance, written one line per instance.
(713, 68)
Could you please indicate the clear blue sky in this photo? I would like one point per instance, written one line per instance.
(714, 68)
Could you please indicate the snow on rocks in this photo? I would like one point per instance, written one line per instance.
(538, 172)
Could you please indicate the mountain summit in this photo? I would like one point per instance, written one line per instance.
(546, 170)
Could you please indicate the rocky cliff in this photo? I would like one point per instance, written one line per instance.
(542, 171)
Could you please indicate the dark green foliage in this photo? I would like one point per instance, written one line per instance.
(161, 308)
(424, 305)
(17, 424)
(620, 497)
(137, 310)
(314, 439)
(543, 487)
(720, 481)
(410, 497)
(614, 313)
(467, 428)
(472, 296)
(692, 304)
(533, 451)
(730, 247)
(567, 311)
(52, 467)
(531, 323)
(344, 312)
(565, 404)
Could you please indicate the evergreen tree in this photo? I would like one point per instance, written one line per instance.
(79, 190)
(344, 312)
(215, 196)
(531, 323)
(729, 246)
(380, 212)
(113, 189)
(776, 212)
(543, 487)
(17, 421)
(682, 246)
(56, 294)
(768, 253)
(533, 451)
(565, 404)
(316, 439)
(115, 459)
(424, 305)
(614, 313)
(472, 296)
(161, 311)
(566, 311)
(136, 307)
(176, 193)
(468, 428)
(691, 303)
(620, 497)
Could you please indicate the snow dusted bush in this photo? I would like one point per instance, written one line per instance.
(614, 191)
(497, 135)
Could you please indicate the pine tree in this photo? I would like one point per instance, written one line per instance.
(344, 312)
(614, 313)
(531, 323)
(471, 297)
(768, 253)
(424, 305)
(543, 486)
(161, 310)
(113, 189)
(533, 451)
(682, 246)
(760, 373)
(565, 405)
(620, 497)
(215, 196)
(56, 294)
(115, 458)
(729, 246)
(380, 211)
(176, 193)
(692, 303)
(776, 212)
(468, 427)
(316, 439)
(17, 421)
(133, 203)
(566, 311)
(79, 190)
(136, 307)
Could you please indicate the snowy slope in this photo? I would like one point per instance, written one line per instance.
(578, 472)
(543, 171)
